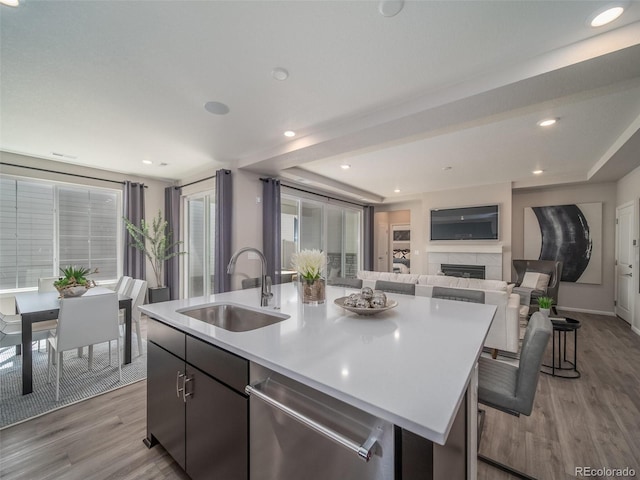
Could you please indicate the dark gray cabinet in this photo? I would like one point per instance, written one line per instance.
(196, 406)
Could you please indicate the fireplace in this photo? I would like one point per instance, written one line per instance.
(465, 271)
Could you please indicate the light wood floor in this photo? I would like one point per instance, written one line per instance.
(593, 421)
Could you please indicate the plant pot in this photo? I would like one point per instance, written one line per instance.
(313, 293)
(545, 311)
(159, 294)
(72, 291)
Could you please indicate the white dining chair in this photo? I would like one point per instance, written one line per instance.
(137, 294)
(124, 285)
(45, 284)
(11, 330)
(86, 320)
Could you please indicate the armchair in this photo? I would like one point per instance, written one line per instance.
(550, 267)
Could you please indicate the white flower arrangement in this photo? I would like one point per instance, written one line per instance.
(309, 264)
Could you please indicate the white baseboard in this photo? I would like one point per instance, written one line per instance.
(635, 330)
(586, 310)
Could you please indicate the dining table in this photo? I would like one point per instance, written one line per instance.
(42, 306)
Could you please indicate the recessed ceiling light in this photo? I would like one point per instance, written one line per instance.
(217, 108)
(446, 168)
(289, 133)
(147, 162)
(279, 73)
(345, 166)
(537, 172)
(10, 3)
(602, 17)
(164, 164)
(397, 190)
(547, 122)
(390, 8)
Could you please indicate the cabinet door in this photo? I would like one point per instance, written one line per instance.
(165, 409)
(217, 430)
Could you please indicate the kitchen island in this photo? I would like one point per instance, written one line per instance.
(412, 367)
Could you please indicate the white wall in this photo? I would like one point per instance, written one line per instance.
(628, 190)
(154, 194)
(576, 296)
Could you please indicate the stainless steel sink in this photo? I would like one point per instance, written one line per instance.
(232, 317)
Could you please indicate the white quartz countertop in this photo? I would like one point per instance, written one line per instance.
(409, 365)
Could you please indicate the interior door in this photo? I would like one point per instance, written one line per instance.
(624, 262)
(382, 248)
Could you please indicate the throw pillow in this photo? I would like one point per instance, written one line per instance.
(535, 280)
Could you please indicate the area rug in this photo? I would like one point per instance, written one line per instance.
(77, 383)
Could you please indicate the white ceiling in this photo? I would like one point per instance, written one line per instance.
(451, 83)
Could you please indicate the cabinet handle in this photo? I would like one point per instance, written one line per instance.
(184, 388)
(178, 389)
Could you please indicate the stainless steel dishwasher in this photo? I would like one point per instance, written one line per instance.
(297, 432)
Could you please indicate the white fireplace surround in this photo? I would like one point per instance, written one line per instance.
(490, 256)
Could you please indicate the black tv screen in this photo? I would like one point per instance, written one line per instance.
(466, 223)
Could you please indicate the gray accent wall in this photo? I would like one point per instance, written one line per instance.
(577, 296)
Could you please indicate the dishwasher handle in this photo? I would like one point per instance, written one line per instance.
(363, 451)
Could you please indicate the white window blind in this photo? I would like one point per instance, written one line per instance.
(46, 226)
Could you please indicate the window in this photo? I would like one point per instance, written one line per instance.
(200, 236)
(332, 228)
(45, 226)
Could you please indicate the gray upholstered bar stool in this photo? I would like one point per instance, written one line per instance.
(396, 287)
(509, 388)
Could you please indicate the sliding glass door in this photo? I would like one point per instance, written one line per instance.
(200, 234)
(331, 228)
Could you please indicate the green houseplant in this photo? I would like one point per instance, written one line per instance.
(74, 281)
(154, 240)
(544, 305)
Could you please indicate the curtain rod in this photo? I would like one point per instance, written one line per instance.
(64, 173)
(196, 181)
(318, 194)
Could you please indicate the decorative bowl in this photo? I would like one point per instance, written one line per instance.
(72, 291)
(366, 311)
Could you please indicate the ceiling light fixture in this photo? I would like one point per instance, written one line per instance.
(279, 74)
(603, 17)
(537, 172)
(147, 162)
(547, 122)
(217, 108)
(10, 3)
(289, 133)
(345, 166)
(397, 190)
(446, 168)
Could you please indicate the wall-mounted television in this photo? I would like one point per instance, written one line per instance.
(465, 223)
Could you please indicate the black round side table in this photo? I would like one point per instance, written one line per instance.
(560, 366)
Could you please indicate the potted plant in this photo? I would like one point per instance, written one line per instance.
(74, 281)
(310, 264)
(154, 240)
(544, 305)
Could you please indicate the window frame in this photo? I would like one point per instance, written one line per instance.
(56, 185)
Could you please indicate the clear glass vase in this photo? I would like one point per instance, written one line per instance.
(313, 293)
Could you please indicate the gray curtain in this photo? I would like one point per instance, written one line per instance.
(271, 227)
(134, 259)
(222, 250)
(367, 244)
(172, 215)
